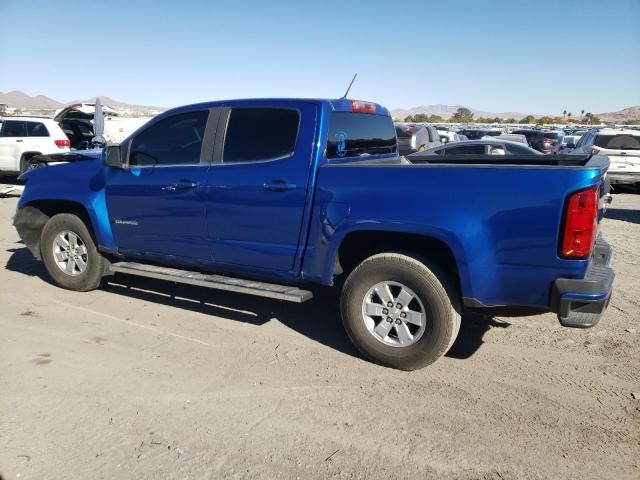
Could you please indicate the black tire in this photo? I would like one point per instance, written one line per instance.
(24, 161)
(96, 265)
(434, 290)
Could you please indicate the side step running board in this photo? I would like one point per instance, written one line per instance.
(250, 287)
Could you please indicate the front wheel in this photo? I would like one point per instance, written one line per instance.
(70, 254)
(400, 311)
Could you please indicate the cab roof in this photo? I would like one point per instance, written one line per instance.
(335, 105)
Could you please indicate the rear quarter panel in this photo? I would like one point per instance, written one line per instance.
(502, 223)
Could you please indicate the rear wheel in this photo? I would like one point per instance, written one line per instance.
(70, 254)
(400, 311)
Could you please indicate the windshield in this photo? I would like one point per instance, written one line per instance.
(618, 142)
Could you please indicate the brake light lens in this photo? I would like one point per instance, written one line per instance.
(363, 107)
(410, 130)
(580, 224)
(62, 143)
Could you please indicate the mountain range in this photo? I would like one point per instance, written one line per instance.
(23, 101)
(445, 111)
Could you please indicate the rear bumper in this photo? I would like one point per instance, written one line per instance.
(623, 177)
(581, 302)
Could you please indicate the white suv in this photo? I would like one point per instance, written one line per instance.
(622, 146)
(24, 137)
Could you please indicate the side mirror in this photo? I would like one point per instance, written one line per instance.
(112, 156)
(570, 145)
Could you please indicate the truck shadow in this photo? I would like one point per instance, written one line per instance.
(631, 216)
(317, 319)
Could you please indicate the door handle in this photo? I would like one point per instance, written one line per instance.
(279, 186)
(185, 184)
(18, 141)
(181, 185)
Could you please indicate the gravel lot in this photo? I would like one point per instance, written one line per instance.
(144, 379)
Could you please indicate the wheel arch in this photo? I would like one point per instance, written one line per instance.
(26, 156)
(32, 217)
(358, 245)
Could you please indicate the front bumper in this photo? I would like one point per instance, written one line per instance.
(580, 303)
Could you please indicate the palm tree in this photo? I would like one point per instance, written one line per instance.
(564, 113)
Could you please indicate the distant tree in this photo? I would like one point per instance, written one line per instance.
(510, 120)
(564, 113)
(462, 115)
(408, 118)
(436, 119)
(590, 119)
(582, 113)
(528, 119)
(546, 120)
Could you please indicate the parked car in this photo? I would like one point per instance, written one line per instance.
(510, 137)
(543, 140)
(568, 143)
(77, 122)
(478, 133)
(319, 195)
(447, 136)
(622, 146)
(22, 138)
(434, 135)
(479, 147)
(411, 138)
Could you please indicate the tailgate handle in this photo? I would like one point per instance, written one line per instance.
(279, 186)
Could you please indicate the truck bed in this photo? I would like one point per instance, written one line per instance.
(551, 160)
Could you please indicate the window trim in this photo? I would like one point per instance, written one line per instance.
(226, 116)
(204, 162)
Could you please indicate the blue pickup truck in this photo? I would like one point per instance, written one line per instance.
(268, 197)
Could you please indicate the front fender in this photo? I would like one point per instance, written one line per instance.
(82, 184)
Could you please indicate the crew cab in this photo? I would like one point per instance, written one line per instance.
(317, 194)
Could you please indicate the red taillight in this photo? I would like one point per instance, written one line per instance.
(62, 143)
(410, 130)
(363, 107)
(549, 140)
(580, 224)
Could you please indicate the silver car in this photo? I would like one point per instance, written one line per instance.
(480, 147)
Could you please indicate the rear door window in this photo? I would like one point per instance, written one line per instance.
(14, 128)
(37, 129)
(360, 134)
(618, 142)
(259, 134)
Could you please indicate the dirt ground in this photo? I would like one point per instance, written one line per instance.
(144, 379)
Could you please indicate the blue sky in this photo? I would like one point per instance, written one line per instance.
(529, 56)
